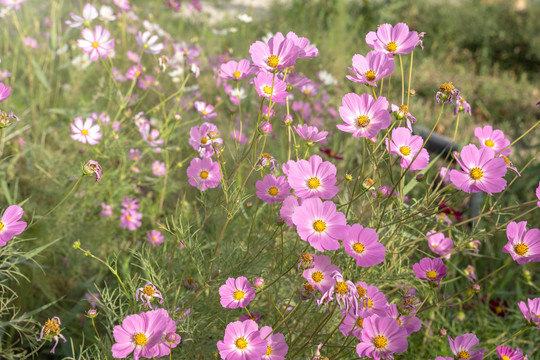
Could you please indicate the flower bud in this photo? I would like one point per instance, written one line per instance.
(420, 177)
(265, 128)
(443, 332)
(92, 313)
(288, 119)
(258, 283)
(92, 168)
(77, 244)
(348, 177)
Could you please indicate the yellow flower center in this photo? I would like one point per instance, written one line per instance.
(140, 339)
(399, 321)
(137, 73)
(341, 288)
(149, 138)
(204, 112)
(404, 109)
(477, 174)
(267, 156)
(521, 249)
(359, 248)
(148, 290)
(237, 74)
(128, 217)
(370, 75)
(241, 343)
(317, 276)
(363, 121)
(405, 150)
(95, 44)
(268, 351)
(359, 322)
(464, 355)
(306, 257)
(204, 140)
(154, 238)
(84, 132)
(204, 174)
(51, 326)
(1, 225)
(273, 61)
(431, 274)
(392, 46)
(380, 342)
(505, 357)
(238, 295)
(490, 143)
(273, 191)
(361, 291)
(319, 226)
(498, 309)
(313, 183)
(446, 87)
(267, 90)
(307, 92)
(368, 303)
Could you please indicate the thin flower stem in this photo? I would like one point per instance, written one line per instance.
(410, 76)
(99, 338)
(374, 94)
(402, 80)
(525, 328)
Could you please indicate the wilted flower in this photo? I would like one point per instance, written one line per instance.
(92, 168)
(147, 294)
(51, 331)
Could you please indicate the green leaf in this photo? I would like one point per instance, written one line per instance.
(40, 74)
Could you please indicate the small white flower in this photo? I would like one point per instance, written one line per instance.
(89, 13)
(106, 13)
(245, 18)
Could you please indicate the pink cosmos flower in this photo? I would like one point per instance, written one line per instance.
(147, 294)
(320, 273)
(372, 68)
(463, 346)
(523, 245)
(410, 322)
(106, 210)
(135, 154)
(51, 331)
(31, 43)
(313, 178)
(204, 174)
(239, 137)
(204, 139)
(481, 171)
(381, 337)
(89, 14)
(531, 311)
(4, 92)
(507, 353)
(13, 4)
(344, 292)
(140, 334)
(492, 138)
(236, 293)
(402, 112)
(372, 301)
(394, 39)
(146, 82)
(276, 348)
(407, 146)
(130, 219)
(271, 189)
(319, 223)
(147, 42)
(206, 110)
(130, 204)
(233, 70)
(278, 54)
(150, 136)
(133, 57)
(351, 324)
(311, 134)
(302, 43)
(242, 341)
(86, 132)
(10, 225)
(287, 209)
(363, 116)
(362, 244)
(122, 4)
(430, 269)
(439, 244)
(159, 168)
(155, 237)
(270, 87)
(134, 72)
(93, 299)
(97, 43)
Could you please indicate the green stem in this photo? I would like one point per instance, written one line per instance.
(99, 338)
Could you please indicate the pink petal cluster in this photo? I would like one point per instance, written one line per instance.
(313, 178)
(362, 244)
(97, 43)
(522, 245)
(236, 293)
(363, 116)
(271, 189)
(393, 39)
(462, 347)
(86, 132)
(375, 66)
(204, 173)
(409, 148)
(10, 226)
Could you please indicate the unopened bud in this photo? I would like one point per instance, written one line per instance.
(92, 313)
(348, 177)
(77, 244)
(288, 119)
(443, 332)
(420, 177)
(258, 283)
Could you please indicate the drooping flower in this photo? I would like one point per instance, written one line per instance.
(320, 224)
(394, 39)
(319, 274)
(375, 66)
(89, 14)
(276, 348)
(523, 245)
(233, 70)
(313, 178)
(10, 226)
(97, 43)
(492, 138)
(439, 244)
(402, 112)
(267, 161)
(148, 43)
(362, 244)
(363, 116)
(407, 146)
(242, 341)
(206, 110)
(236, 293)
(270, 86)
(204, 174)
(271, 189)
(311, 134)
(4, 92)
(507, 353)
(155, 237)
(462, 347)
(86, 132)
(344, 292)
(481, 171)
(381, 337)
(205, 140)
(430, 269)
(147, 294)
(92, 168)
(531, 311)
(278, 54)
(51, 331)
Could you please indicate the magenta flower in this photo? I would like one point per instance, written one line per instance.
(51, 331)
(97, 44)
(270, 86)
(147, 294)
(134, 72)
(492, 138)
(236, 293)
(276, 348)
(407, 146)
(507, 353)
(381, 337)
(204, 139)
(531, 311)
(311, 134)
(242, 341)
(159, 168)
(319, 223)
(10, 226)
(13, 4)
(93, 299)
(313, 178)
(351, 324)
(239, 137)
(4, 92)
(462, 347)
(130, 204)
(302, 43)
(155, 237)
(89, 14)
(344, 292)
(363, 116)
(204, 174)
(410, 323)
(86, 132)
(362, 244)
(481, 171)
(135, 154)
(430, 269)
(148, 43)
(287, 209)
(320, 273)
(206, 110)
(271, 189)
(140, 334)
(395, 39)
(372, 301)
(278, 54)
(372, 68)
(130, 219)
(439, 244)
(523, 245)
(106, 210)
(233, 70)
